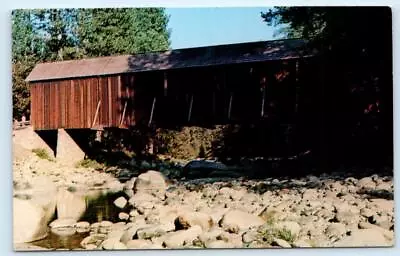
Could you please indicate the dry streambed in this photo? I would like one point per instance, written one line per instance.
(324, 211)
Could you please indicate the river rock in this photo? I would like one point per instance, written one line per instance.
(235, 220)
(123, 216)
(386, 233)
(30, 222)
(113, 244)
(91, 242)
(105, 227)
(154, 231)
(218, 244)
(120, 202)
(291, 226)
(250, 236)
(190, 219)
(210, 235)
(139, 244)
(151, 182)
(280, 242)
(63, 231)
(335, 230)
(363, 238)
(82, 227)
(70, 205)
(301, 243)
(32, 214)
(366, 183)
(182, 237)
(130, 233)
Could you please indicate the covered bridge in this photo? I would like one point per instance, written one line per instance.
(205, 85)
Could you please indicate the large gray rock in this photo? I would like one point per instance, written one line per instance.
(120, 202)
(154, 231)
(61, 223)
(363, 238)
(139, 244)
(151, 182)
(281, 243)
(335, 230)
(183, 237)
(291, 226)
(70, 205)
(186, 220)
(235, 221)
(219, 244)
(30, 222)
(32, 214)
(386, 233)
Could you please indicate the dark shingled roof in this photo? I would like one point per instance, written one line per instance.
(173, 59)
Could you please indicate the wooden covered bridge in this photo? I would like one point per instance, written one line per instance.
(233, 83)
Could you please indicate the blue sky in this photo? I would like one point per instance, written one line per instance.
(191, 27)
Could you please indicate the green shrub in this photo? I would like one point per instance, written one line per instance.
(270, 232)
(42, 153)
(286, 235)
(88, 163)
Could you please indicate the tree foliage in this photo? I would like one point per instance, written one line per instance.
(62, 34)
(356, 48)
(122, 31)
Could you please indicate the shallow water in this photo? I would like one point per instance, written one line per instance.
(99, 208)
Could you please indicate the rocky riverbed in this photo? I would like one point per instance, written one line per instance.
(158, 210)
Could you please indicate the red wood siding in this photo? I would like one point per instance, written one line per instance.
(73, 103)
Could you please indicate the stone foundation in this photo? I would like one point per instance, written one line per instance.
(68, 151)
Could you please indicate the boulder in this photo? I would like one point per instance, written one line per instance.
(235, 221)
(154, 231)
(63, 231)
(291, 226)
(82, 227)
(32, 214)
(30, 221)
(280, 242)
(301, 243)
(218, 244)
(123, 216)
(365, 212)
(139, 244)
(210, 235)
(151, 182)
(93, 241)
(363, 238)
(182, 237)
(113, 244)
(189, 219)
(70, 205)
(130, 233)
(386, 233)
(120, 202)
(335, 230)
(61, 223)
(366, 183)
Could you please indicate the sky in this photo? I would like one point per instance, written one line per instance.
(191, 27)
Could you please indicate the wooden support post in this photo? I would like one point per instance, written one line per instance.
(230, 106)
(123, 114)
(152, 111)
(214, 105)
(96, 114)
(263, 102)
(190, 108)
(165, 84)
(297, 87)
